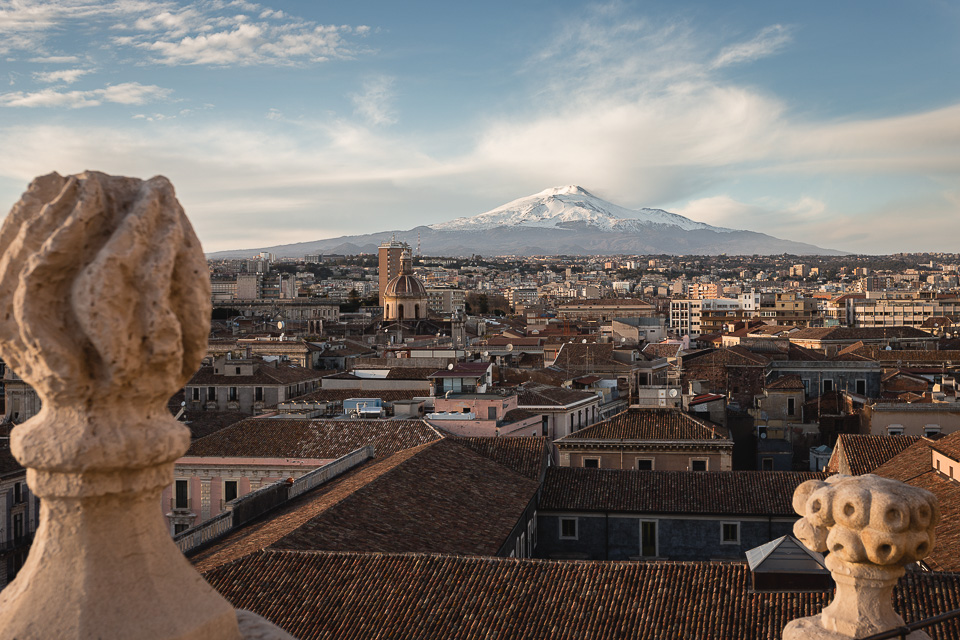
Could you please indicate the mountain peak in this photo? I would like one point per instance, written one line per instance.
(570, 207)
(567, 190)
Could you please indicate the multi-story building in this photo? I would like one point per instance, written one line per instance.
(389, 256)
(887, 309)
(446, 301)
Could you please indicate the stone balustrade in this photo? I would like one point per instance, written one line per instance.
(105, 312)
(872, 528)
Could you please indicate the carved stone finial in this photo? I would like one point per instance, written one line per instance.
(871, 528)
(105, 311)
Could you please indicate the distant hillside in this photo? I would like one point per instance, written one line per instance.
(562, 220)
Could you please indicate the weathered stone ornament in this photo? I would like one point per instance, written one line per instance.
(872, 527)
(105, 311)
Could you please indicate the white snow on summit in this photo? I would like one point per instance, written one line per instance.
(571, 206)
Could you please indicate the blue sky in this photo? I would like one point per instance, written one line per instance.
(831, 123)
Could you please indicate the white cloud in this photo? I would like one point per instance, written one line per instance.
(66, 76)
(375, 104)
(208, 32)
(55, 59)
(769, 41)
(128, 93)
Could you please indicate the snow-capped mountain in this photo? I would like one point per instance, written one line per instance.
(559, 221)
(571, 207)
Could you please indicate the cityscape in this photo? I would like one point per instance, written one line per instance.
(541, 320)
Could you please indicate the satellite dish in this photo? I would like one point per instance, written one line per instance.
(673, 393)
(486, 353)
(279, 324)
(510, 347)
(450, 367)
(584, 341)
(763, 434)
(183, 404)
(622, 340)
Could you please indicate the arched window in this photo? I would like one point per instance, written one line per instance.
(400, 311)
(416, 311)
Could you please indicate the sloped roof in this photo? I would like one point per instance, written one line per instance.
(914, 465)
(857, 333)
(534, 394)
(762, 493)
(320, 439)
(444, 497)
(648, 424)
(786, 554)
(346, 596)
(791, 382)
(864, 453)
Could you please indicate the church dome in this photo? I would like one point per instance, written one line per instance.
(405, 286)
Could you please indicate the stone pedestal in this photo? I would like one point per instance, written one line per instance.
(872, 527)
(105, 312)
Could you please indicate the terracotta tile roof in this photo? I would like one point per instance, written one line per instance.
(864, 453)
(321, 439)
(648, 424)
(949, 445)
(605, 302)
(857, 333)
(662, 350)
(447, 498)
(344, 596)
(914, 465)
(791, 382)
(264, 531)
(762, 493)
(524, 455)
(204, 423)
(534, 394)
(461, 370)
(444, 496)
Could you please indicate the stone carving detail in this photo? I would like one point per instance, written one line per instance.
(871, 527)
(105, 311)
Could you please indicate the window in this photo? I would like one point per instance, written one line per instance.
(18, 493)
(931, 430)
(233, 394)
(699, 464)
(18, 526)
(491, 413)
(229, 490)
(862, 387)
(568, 529)
(196, 394)
(648, 538)
(180, 528)
(766, 464)
(895, 430)
(258, 394)
(645, 464)
(827, 385)
(544, 426)
(531, 534)
(212, 394)
(791, 406)
(730, 533)
(238, 370)
(591, 463)
(181, 494)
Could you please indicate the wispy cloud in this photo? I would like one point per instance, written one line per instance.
(209, 32)
(65, 76)
(128, 93)
(375, 104)
(769, 41)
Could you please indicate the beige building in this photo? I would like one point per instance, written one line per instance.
(649, 439)
(911, 419)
